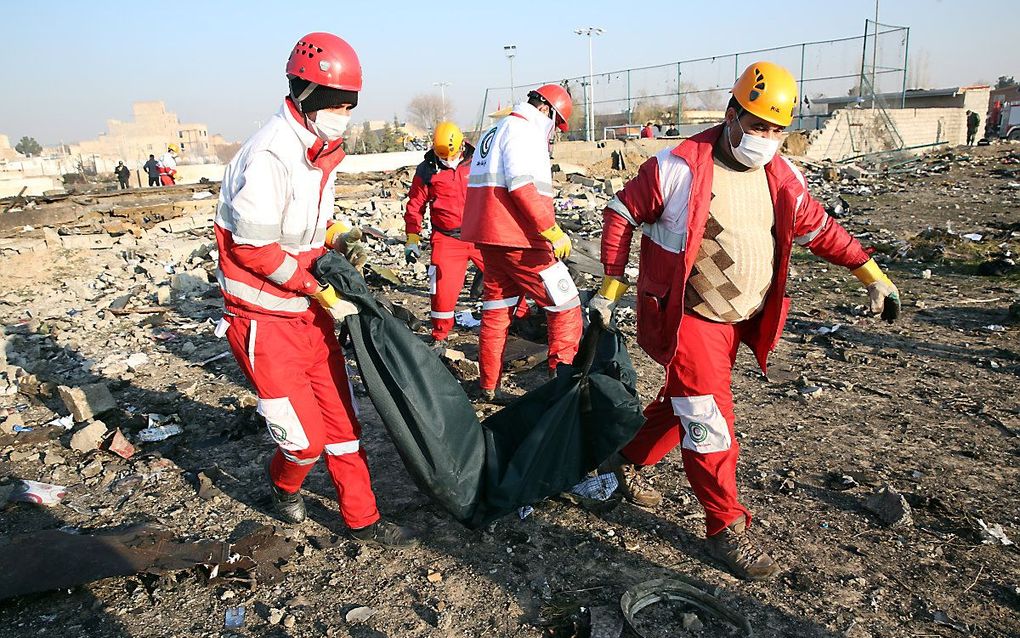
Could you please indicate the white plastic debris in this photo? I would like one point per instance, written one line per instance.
(66, 422)
(993, 534)
(202, 195)
(157, 432)
(973, 236)
(828, 330)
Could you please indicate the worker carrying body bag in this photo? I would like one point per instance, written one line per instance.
(540, 445)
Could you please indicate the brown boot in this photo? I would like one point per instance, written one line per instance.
(734, 548)
(634, 487)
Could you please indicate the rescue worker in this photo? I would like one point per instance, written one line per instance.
(509, 214)
(123, 174)
(440, 183)
(273, 221)
(719, 215)
(168, 166)
(151, 168)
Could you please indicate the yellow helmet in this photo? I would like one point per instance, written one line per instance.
(173, 147)
(447, 141)
(767, 90)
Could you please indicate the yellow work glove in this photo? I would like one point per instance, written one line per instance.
(412, 250)
(347, 241)
(339, 308)
(882, 294)
(600, 308)
(559, 240)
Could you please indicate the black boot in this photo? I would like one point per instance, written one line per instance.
(289, 508)
(384, 533)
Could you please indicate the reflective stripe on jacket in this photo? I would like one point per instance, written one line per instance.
(275, 203)
(510, 195)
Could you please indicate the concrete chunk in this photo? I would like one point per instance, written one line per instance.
(87, 401)
(89, 437)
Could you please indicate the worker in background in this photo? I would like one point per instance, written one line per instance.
(274, 219)
(973, 123)
(509, 214)
(648, 132)
(168, 165)
(719, 215)
(440, 184)
(151, 169)
(123, 174)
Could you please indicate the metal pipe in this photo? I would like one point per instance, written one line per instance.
(800, 106)
(906, 60)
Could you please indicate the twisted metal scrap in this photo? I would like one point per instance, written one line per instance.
(653, 591)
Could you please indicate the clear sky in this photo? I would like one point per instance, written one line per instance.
(67, 66)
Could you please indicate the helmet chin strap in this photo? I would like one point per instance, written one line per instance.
(304, 94)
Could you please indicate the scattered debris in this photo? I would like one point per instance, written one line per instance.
(891, 507)
(38, 493)
(359, 615)
(89, 437)
(993, 534)
(654, 591)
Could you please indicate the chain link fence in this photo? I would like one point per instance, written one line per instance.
(684, 97)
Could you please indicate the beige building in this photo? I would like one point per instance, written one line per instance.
(7, 152)
(149, 132)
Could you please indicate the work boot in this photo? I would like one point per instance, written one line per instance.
(634, 487)
(289, 508)
(734, 548)
(438, 345)
(384, 533)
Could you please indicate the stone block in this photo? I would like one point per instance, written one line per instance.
(89, 437)
(87, 401)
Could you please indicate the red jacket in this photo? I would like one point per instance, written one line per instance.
(443, 189)
(510, 195)
(276, 201)
(670, 197)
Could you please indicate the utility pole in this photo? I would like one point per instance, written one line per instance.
(511, 50)
(589, 111)
(874, 61)
(442, 91)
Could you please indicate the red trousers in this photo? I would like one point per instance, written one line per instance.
(511, 274)
(450, 258)
(694, 409)
(299, 374)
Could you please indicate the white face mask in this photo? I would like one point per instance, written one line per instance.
(453, 162)
(753, 151)
(330, 126)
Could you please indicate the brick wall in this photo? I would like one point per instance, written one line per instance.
(852, 132)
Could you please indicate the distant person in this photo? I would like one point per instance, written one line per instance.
(123, 174)
(648, 132)
(672, 131)
(973, 122)
(168, 166)
(151, 169)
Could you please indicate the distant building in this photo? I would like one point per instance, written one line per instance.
(973, 98)
(149, 132)
(7, 152)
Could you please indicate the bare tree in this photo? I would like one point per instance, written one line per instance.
(426, 110)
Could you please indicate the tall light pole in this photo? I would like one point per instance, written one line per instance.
(442, 92)
(511, 50)
(589, 110)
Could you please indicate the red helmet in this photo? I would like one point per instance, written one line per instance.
(327, 60)
(559, 100)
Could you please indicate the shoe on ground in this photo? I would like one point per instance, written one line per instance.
(384, 533)
(633, 485)
(289, 508)
(734, 548)
(438, 345)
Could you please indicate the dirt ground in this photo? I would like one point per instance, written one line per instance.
(929, 405)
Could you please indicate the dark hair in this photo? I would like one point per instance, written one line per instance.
(733, 104)
(536, 100)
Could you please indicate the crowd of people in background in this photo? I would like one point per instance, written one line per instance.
(161, 172)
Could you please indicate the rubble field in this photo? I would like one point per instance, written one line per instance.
(881, 461)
